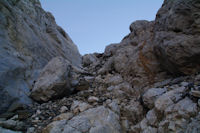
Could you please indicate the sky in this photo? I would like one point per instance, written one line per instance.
(94, 24)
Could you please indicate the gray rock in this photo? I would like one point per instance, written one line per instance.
(107, 67)
(138, 26)
(110, 88)
(63, 116)
(169, 98)
(30, 130)
(195, 93)
(95, 120)
(150, 130)
(133, 111)
(186, 108)
(53, 81)
(110, 49)
(79, 106)
(13, 125)
(152, 117)
(29, 38)
(114, 106)
(194, 125)
(177, 42)
(125, 124)
(89, 59)
(3, 130)
(55, 127)
(151, 95)
(93, 99)
(113, 79)
(134, 56)
(63, 109)
(143, 124)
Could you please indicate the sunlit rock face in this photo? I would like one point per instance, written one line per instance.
(29, 38)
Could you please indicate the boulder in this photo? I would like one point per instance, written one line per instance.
(95, 120)
(169, 98)
(89, 59)
(133, 111)
(176, 41)
(29, 39)
(53, 81)
(151, 95)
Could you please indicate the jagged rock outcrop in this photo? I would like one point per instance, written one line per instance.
(29, 38)
(177, 36)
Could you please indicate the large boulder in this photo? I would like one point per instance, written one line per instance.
(53, 81)
(176, 39)
(29, 39)
(95, 120)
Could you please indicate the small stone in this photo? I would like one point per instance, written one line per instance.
(195, 93)
(63, 109)
(125, 124)
(31, 130)
(199, 102)
(135, 128)
(36, 120)
(108, 101)
(110, 88)
(14, 117)
(64, 116)
(38, 112)
(151, 95)
(79, 106)
(151, 117)
(184, 83)
(114, 79)
(150, 130)
(143, 124)
(93, 99)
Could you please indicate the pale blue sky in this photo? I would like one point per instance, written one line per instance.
(93, 24)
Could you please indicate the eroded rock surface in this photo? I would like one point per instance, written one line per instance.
(29, 38)
(177, 41)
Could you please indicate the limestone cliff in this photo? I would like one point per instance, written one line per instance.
(29, 38)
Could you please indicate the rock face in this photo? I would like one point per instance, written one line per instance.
(134, 57)
(177, 41)
(29, 38)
